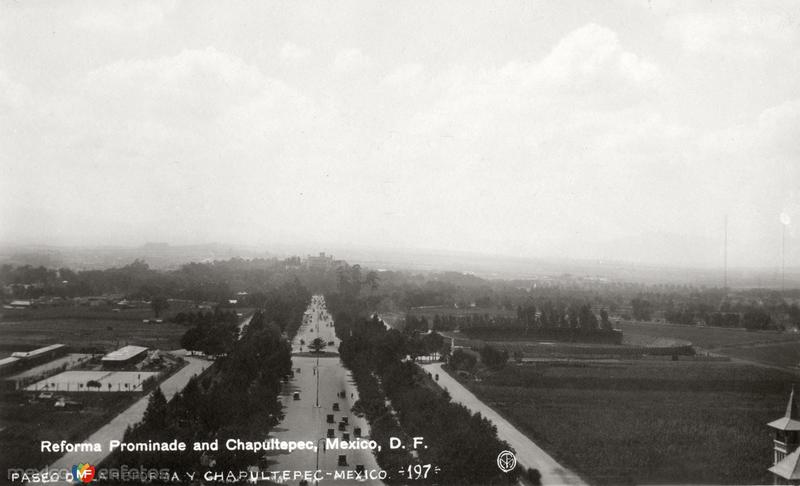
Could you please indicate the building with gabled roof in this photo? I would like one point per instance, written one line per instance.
(786, 453)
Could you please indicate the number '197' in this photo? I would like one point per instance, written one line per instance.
(418, 471)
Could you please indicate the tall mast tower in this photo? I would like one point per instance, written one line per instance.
(725, 263)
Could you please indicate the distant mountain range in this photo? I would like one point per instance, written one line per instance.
(157, 255)
(165, 256)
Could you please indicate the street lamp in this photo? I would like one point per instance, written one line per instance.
(317, 351)
(317, 373)
(316, 481)
(318, 370)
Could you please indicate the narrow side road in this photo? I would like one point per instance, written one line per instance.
(528, 453)
(115, 429)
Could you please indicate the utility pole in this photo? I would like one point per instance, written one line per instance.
(318, 370)
(316, 481)
(785, 221)
(783, 261)
(725, 286)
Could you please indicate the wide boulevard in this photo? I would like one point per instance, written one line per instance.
(317, 399)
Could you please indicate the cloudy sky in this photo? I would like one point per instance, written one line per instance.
(623, 130)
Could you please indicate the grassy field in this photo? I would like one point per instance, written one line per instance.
(92, 333)
(89, 312)
(647, 421)
(705, 337)
(786, 355)
(25, 424)
(429, 312)
(78, 312)
(543, 349)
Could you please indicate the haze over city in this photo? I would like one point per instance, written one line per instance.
(615, 130)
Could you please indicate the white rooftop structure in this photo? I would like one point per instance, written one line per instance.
(124, 353)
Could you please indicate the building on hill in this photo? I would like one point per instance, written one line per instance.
(786, 453)
(321, 261)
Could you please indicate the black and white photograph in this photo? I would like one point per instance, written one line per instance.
(400, 243)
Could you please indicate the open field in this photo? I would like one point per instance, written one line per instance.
(100, 334)
(646, 421)
(83, 312)
(786, 355)
(110, 381)
(704, 337)
(429, 312)
(25, 424)
(75, 312)
(632, 347)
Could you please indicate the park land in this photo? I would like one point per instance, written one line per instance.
(700, 419)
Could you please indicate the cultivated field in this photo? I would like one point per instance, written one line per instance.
(705, 337)
(25, 424)
(99, 334)
(84, 312)
(429, 312)
(786, 355)
(110, 381)
(647, 421)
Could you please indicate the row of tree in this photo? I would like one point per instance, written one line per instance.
(197, 282)
(548, 316)
(464, 445)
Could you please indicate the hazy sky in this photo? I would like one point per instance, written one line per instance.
(622, 130)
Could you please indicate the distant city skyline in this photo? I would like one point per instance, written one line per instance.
(624, 131)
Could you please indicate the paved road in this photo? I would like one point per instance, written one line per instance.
(528, 454)
(115, 429)
(244, 324)
(304, 420)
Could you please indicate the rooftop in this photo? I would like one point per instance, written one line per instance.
(7, 361)
(124, 353)
(37, 352)
(791, 419)
(789, 467)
